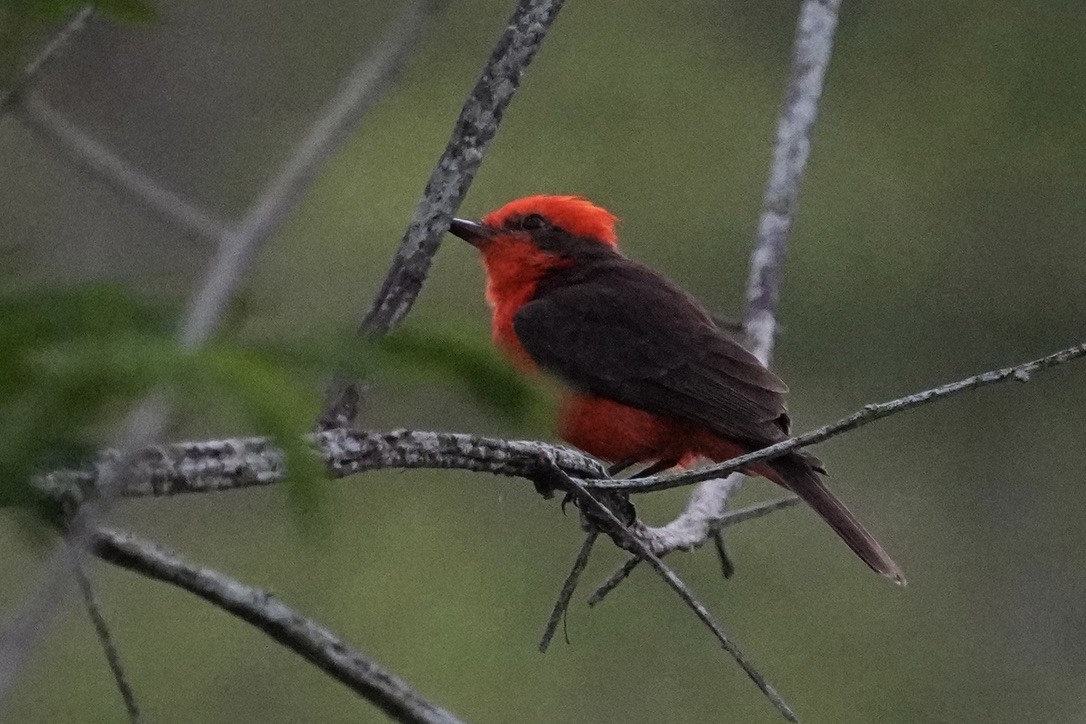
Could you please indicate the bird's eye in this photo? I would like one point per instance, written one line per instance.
(531, 222)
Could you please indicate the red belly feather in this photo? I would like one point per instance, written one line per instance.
(616, 432)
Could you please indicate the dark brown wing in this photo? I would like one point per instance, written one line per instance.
(619, 330)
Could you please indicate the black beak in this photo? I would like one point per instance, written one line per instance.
(471, 231)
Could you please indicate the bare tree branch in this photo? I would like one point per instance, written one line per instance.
(105, 638)
(49, 51)
(362, 89)
(738, 516)
(632, 541)
(103, 163)
(811, 52)
(471, 137)
(216, 465)
(568, 587)
(22, 633)
(455, 170)
(261, 609)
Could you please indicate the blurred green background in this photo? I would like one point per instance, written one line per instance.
(940, 233)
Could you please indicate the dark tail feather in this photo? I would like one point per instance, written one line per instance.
(796, 475)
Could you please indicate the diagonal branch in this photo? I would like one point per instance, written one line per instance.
(49, 51)
(568, 587)
(475, 128)
(627, 539)
(105, 638)
(652, 537)
(103, 163)
(261, 609)
(362, 89)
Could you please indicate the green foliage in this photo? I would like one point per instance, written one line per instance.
(45, 413)
(421, 354)
(72, 361)
(416, 354)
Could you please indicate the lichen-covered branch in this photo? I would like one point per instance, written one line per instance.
(811, 52)
(216, 465)
(263, 610)
(474, 130)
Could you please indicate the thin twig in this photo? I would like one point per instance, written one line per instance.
(23, 632)
(737, 516)
(628, 539)
(620, 575)
(105, 638)
(568, 587)
(448, 183)
(261, 609)
(360, 91)
(105, 164)
(49, 51)
(727, 567)
(870, 413)
(758, 510)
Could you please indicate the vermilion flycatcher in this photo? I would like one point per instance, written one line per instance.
(651, 377)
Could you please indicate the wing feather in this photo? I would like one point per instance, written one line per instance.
(621, 331)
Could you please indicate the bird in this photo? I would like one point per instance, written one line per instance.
(647, 375)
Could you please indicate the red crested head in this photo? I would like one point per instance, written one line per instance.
(574, 215)
(527, 238)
